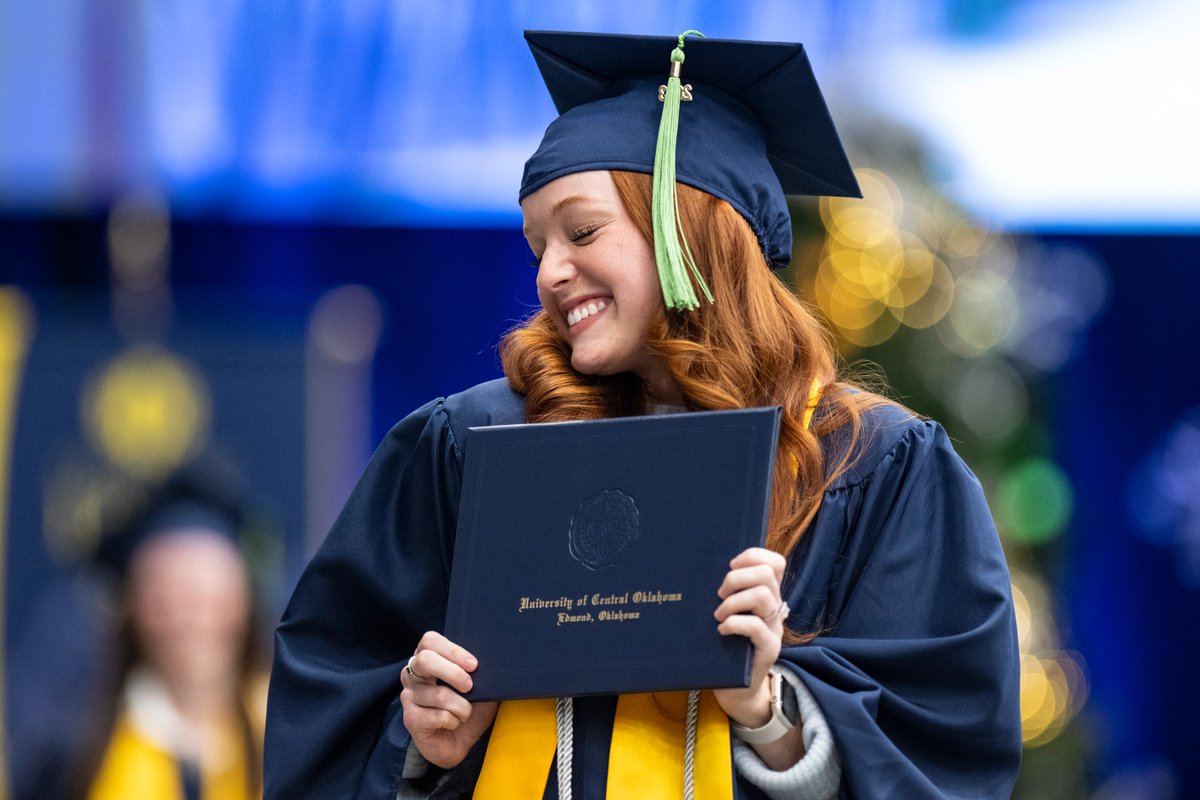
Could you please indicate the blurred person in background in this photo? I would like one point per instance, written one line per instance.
(177, 703)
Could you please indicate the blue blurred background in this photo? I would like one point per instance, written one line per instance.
(268, 230)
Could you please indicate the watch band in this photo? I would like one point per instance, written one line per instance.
(778, 725)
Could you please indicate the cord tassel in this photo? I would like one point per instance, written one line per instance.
(564, 719)
(671, 250)
(689, 747)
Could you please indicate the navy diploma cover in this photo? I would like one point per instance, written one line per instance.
(588, 554)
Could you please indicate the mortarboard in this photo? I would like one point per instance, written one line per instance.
(756, 127)
(207, 497)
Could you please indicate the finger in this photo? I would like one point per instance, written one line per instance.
(438, 658)
(758, 601)
(454, 653)
(742, 578)
(412, 675)
(427, 667)
(761, 555)
(422, 722)
(437, 698)
(766, 642)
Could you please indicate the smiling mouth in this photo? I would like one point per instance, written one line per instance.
(585, 310)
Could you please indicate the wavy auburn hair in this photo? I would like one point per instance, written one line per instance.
(757, 344)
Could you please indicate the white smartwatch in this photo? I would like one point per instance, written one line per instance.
(784, 714)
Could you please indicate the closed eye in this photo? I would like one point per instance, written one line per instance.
(578, 236)
(582, 233)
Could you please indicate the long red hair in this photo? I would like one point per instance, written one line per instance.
(756, 344)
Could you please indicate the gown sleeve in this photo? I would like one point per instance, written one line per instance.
(915, 664)
(334, 721)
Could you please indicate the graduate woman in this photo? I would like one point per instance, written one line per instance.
(884, 646)
(176, 703)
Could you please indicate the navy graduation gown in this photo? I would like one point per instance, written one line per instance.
(902, 573)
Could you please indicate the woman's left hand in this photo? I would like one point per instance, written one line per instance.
(750, 604)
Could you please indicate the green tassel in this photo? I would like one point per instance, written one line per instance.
(671, 249)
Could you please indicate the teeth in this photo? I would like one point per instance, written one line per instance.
(577, 315)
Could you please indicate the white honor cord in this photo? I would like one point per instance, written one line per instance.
(689, 747)
(564, 721)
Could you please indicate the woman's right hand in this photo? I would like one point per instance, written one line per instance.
(443, 724)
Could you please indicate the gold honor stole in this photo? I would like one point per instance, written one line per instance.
(646, 757)
(134, 767)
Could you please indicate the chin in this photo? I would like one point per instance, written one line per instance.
(590, 366)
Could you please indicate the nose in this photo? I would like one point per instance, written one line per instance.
(555, 269)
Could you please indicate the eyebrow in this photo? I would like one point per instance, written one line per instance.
(570, 200)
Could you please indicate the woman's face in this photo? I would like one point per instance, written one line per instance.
(597, 277)
(190, 603)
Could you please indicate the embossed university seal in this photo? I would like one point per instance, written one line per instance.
(603, 528)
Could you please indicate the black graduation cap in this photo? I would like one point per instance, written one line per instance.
(207, 496)
(757, 127)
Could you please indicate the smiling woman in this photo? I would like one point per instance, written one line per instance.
(655, 214)
(597, 278)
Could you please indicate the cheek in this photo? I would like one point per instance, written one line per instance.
(641, 271)
(550, 308)
(646, 294)
(154, 609)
